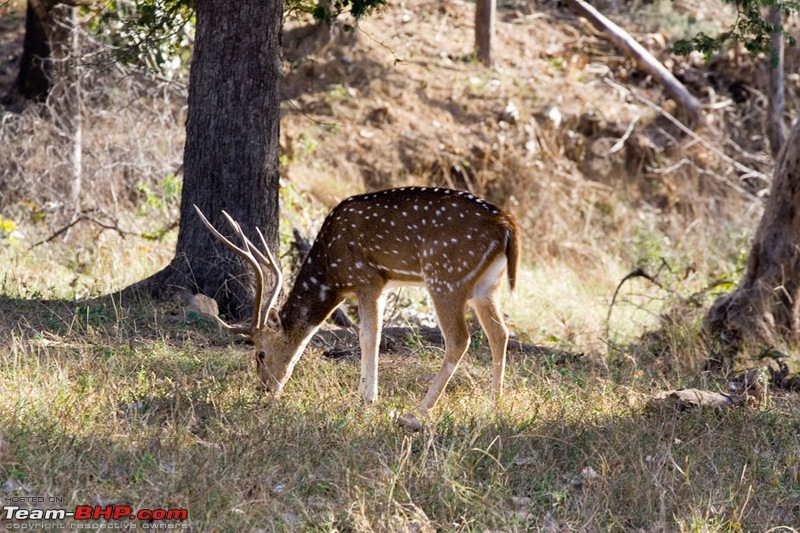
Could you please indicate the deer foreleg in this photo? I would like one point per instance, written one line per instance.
(370, 309)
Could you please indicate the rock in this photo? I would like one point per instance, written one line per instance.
(199, 306)
(409, 422)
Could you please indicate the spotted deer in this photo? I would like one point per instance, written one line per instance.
(455, 244)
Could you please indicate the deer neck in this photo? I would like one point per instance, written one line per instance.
(312, 298)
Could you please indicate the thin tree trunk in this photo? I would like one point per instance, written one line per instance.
(776, 129)
(64, 100)
(485, 14)
(763, 308)
(232, 148)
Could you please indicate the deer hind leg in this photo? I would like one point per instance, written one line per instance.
(370, 311)
(494, 325)
(450, 312)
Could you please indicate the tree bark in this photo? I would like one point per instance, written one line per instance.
(231, 152)
(485, 14)
(763, 308)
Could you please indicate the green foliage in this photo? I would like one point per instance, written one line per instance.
(750, 28)
(165, 196)
(157, 34)
(154, 34)
(328, 11)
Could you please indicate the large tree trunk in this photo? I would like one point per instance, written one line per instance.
(232, 148)
(763, 308)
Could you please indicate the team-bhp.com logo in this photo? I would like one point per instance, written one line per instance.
(114, 513)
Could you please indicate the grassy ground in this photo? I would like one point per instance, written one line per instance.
(132, 404)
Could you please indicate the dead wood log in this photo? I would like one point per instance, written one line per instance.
(689, 105)
(692, 398)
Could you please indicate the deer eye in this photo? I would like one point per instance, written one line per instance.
(261, 355)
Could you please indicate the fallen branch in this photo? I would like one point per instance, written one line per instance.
(688, 103)
(114, 225)
(81, 217)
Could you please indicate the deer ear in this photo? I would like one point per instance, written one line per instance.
(273, 320)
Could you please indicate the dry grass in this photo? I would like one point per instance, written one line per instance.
(131, 405)
(134, 403)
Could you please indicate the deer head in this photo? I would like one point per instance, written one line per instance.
(275, 351)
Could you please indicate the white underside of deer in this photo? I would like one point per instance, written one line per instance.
(459, 247)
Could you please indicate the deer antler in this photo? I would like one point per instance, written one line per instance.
(256, 258)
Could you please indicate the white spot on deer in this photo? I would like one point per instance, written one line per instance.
(416, 207)
(323, 292)
(305, 285)
(359, 265)
(453, 240)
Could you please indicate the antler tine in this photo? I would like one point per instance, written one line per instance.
(247, 255)
(270, 261)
